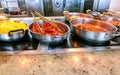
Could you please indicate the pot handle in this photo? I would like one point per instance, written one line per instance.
(15, 31)
(117, 34)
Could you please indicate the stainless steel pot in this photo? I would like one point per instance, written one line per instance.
(76, 15)
(50, 38)
(97, 37)
(13, 35)
(111, 18)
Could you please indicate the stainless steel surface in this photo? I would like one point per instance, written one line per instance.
(14, 8)
(11, 5)
(57, 7)
(37, 5)
(65, 50)
(39, 50)
(97, 37)
(101, 5)
(50, 38)
(88, 4)
(74, 5)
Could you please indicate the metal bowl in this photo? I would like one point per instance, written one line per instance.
(13, 35)
(111, 18)
(75, 15)
(96, 37)
(51, 38)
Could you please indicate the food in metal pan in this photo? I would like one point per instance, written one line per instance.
(90, 27)
(7, 25)
(47, 28)
(116, 23)
(76, 15)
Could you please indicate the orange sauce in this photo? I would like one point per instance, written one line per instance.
(90, 27)
(46, 27)
(116, 23)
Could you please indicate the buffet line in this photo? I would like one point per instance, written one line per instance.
(99, 30)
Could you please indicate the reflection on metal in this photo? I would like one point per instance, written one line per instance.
(101, 5)
(10, 5)
(36, 5)
(65, 50)
(74, 5)
(88, 4)
(48, 7)
(56, 7)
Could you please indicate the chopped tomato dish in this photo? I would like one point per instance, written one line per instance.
(90, 27)
(46, 28)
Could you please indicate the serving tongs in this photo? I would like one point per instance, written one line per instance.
(50, 22)
(36, 21)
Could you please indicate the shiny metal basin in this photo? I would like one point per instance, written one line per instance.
(97, 37)
(51, 38)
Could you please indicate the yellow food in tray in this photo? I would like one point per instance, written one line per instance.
(8, 25)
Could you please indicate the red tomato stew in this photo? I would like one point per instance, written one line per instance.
(90, 27)
(47, 28)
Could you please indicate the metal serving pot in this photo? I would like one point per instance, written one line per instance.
(50, 38)
(13, 35)
(111, 18)
(76, 15)
(96, 37)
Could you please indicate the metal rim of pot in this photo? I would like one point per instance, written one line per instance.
(87, 31)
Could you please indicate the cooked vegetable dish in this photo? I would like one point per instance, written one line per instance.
(47, 28)
(90, 27)
(116, 23)
(8, 25)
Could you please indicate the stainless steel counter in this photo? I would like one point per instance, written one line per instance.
(43, 49)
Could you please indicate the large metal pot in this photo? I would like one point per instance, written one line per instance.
(72, 15)
(111, 18)
(96, 37)
(50, 38)
(12, 35)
